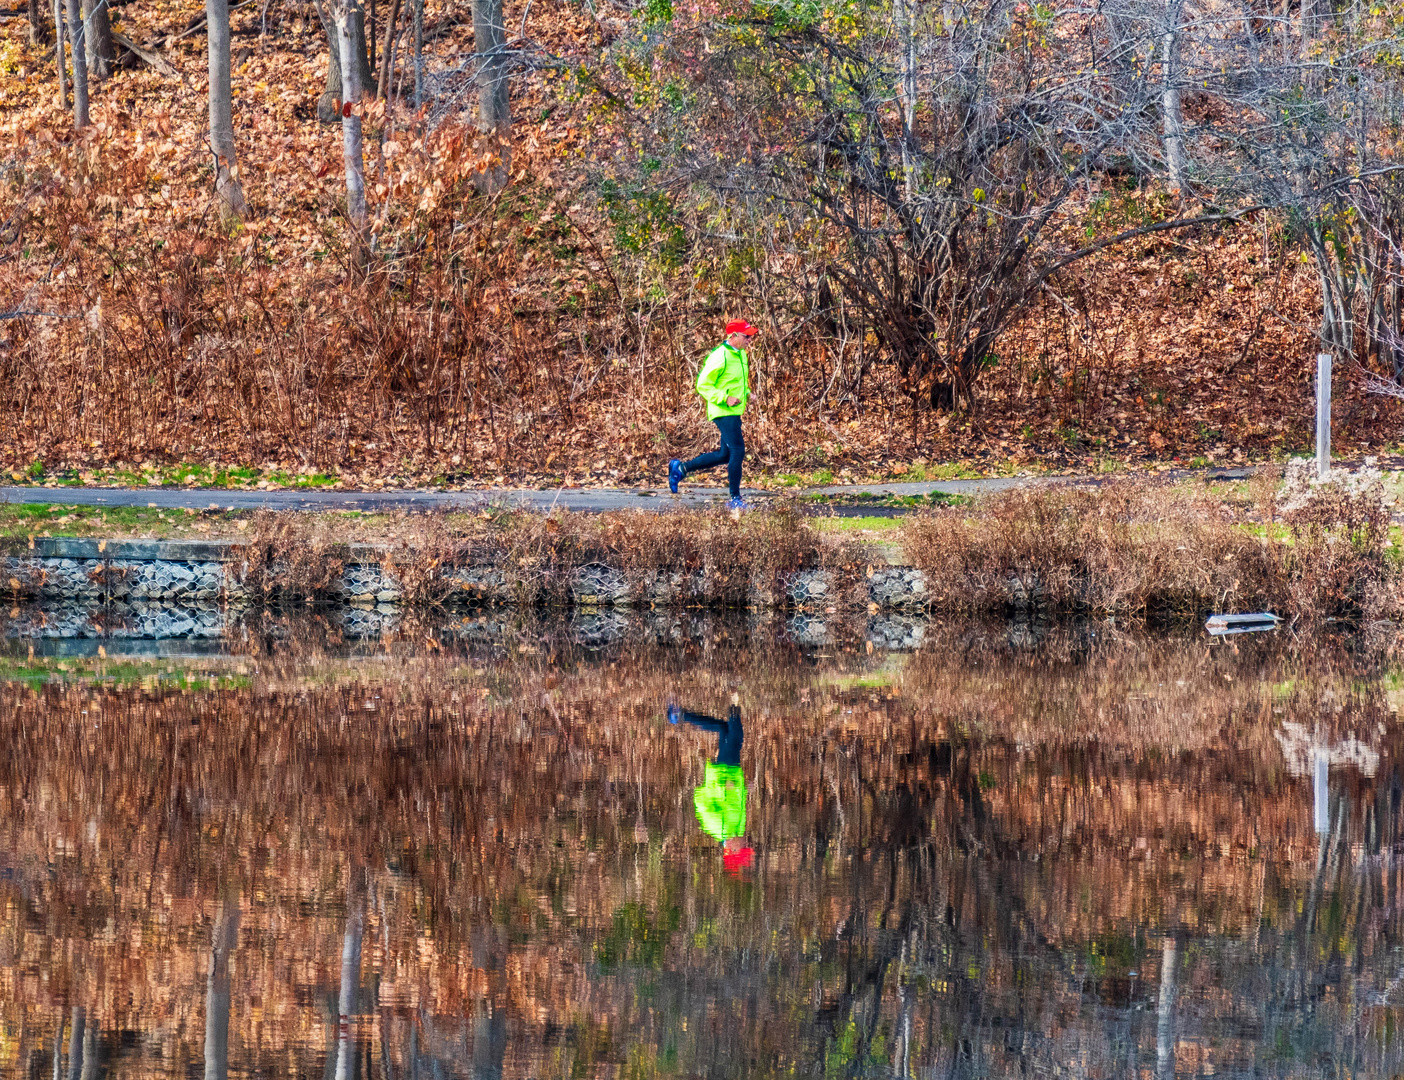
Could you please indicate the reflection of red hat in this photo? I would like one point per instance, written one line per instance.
(738, 860)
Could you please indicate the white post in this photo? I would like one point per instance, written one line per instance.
(1323, 415)
(1321, 789)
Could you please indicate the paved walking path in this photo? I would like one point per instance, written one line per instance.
(574, 499)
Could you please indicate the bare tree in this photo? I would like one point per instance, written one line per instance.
(98, 35)
(1172, 112)
(387, 52)
(60, 60)
(938, 221)
(329, 104)
(38, 32)
(227, 185)
(1300, 123)
(418, 53)
(348, 18)
(494, 119)
(77, 49)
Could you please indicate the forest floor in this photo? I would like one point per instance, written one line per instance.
(1185, 351)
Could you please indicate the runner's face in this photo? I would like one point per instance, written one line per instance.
(738, 341)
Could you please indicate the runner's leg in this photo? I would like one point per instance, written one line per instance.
(712, 458)
(735, 445)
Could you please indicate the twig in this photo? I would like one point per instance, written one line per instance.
(36, 315)
(153, 60)
(1379, 385)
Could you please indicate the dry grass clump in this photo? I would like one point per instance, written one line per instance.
(715, 558)
(299, 555)
(1130, 547)
(731, 559)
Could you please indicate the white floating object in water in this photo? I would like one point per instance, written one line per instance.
(1242, 624)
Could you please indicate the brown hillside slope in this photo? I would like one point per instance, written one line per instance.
(504, 340)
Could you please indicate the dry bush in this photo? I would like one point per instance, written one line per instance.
(477, 344)
(292, 555)
(734, 559)
(1144, 548)
(1337, 563)
(737, 557)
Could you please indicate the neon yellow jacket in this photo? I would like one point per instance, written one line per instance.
(720, 801)
(725, 373)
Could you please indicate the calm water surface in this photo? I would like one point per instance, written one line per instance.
(1083, 855)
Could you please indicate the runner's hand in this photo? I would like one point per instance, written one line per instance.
(733, 401)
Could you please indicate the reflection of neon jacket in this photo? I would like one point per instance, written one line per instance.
(721, 802)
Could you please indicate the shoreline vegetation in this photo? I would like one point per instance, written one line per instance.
(1312, 553)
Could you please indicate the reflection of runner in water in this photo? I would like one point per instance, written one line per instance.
(720, 800)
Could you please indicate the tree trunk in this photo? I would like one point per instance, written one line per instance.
(418, 53)
(329, 105)
(346, 23)
(1315, 16)
(38, 32)
(1172, 115)
(60, 59)
(97, 32)
(494, 120)
(1165, 1010)
(387, 53)
(226, 934)
(904, 15)
(75, 1032)
(1339, 283)
(350, 958)
(222, 109)
(77, 48)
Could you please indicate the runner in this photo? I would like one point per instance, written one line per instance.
(725, 385)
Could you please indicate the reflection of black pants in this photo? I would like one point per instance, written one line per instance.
(731, 453)
(728, 731)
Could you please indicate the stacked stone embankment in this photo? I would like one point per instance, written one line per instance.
(80, 571)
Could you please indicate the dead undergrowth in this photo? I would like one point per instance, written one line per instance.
(1138, 548)
(730, 558)
(1307, 552)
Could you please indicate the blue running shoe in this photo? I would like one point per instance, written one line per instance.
(674, 714)
(675, 473)
(737, 504)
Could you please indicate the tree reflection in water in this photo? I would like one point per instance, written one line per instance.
(981, 860)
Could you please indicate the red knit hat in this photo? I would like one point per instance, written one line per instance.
(741, 326)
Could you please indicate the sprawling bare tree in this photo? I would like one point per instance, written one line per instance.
(1299, 112)
(935, 149)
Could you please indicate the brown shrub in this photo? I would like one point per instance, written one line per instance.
(292, 555)
(732, 559)
(738, 557)
(1155, 548)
